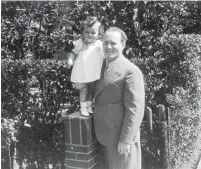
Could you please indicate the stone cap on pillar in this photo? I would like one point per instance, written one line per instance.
(79, 129)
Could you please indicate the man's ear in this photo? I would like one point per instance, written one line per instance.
(123, 45)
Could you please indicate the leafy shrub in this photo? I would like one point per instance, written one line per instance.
(180, 58)
(32, 89)
(173, 78)
(185, 97)
(184, 128)
(33, 95)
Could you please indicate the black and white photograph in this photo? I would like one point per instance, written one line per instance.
(100, 84)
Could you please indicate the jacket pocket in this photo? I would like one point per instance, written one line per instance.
(116, 112)
(115, 85)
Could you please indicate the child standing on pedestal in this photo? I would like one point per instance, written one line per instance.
(88, 63)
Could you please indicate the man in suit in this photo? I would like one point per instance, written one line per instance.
(119, 105)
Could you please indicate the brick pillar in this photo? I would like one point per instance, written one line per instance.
(81, 147)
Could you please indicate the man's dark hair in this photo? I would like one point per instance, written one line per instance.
(124, 37)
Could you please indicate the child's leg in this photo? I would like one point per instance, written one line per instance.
(90, 92)
(83, 97)
(90, 98)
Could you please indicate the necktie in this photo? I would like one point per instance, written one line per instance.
(103, 68)
(106, 67)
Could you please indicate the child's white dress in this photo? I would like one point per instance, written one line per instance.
(88, 63)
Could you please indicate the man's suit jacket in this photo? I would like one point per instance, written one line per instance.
(119, 103)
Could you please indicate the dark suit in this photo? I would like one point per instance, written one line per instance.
(119, 109)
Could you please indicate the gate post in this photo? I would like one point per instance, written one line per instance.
(81, 147)
(164, 145)
(149, 125)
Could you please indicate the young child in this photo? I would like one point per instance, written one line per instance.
(88, 63)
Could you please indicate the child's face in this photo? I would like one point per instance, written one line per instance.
(90, 34)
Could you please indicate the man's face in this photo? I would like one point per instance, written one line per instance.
(112, 45)
(90, 34)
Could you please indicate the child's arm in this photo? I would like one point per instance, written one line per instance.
(71, 58)
(74, 53)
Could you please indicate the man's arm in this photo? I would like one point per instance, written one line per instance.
(134, 102)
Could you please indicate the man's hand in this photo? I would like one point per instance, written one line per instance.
(123, 148)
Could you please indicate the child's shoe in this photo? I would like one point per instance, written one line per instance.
(83, 109)
(89, 107)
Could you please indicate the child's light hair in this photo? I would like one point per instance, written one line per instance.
(93, 20)
(124, 37)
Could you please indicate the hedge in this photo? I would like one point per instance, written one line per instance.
(33, 93)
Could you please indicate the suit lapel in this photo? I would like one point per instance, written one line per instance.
(109, 76)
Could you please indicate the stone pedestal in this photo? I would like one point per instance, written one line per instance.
(81, 147)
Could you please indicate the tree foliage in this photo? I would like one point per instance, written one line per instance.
(33, 29)
(41, 29)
